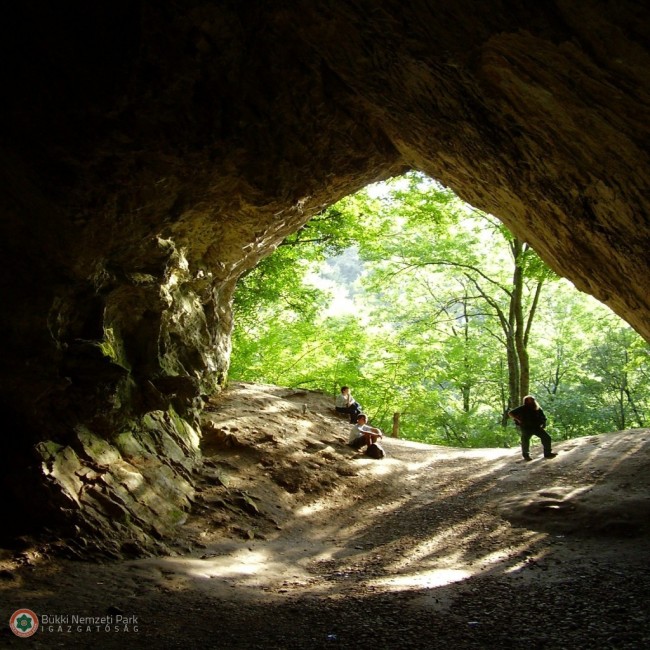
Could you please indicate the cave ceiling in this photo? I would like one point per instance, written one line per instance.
(223, 126)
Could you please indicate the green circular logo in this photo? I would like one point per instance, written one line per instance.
(23, 622)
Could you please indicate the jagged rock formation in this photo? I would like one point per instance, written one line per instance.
(152, 153)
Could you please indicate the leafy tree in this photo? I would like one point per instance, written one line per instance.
(616, 381)
(432, 228)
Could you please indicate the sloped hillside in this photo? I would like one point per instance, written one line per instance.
(270, 449)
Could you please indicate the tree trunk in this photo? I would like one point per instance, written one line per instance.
(514, 398)
(466, 385)
(517, 313)
(395, 433)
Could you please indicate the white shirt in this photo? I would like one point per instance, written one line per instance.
(344, 400)
(358, 430)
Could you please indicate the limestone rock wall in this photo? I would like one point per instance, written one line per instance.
(124, 495)
(153, 152)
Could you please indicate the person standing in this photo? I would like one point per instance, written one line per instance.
(345, 403)
(531, 420)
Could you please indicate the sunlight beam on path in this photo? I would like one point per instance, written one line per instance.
(422, 579)
(246, 566)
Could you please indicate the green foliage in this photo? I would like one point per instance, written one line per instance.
(592, 368)
(278, 279)
(428, 283)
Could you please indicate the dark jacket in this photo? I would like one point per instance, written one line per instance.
(531, 419)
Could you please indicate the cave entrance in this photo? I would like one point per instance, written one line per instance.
(439, 317)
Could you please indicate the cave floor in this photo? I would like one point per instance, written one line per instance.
(297, 541)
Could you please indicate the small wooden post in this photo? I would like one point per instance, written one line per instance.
(395, 433)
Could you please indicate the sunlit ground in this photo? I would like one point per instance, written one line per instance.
(459, 537)
(325, 532)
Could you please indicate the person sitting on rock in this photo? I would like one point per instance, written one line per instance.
(345, 403)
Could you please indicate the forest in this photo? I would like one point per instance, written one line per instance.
(439, 319)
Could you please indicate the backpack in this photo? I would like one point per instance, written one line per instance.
(375, 451)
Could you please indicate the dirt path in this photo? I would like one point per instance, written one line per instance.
(296, 541)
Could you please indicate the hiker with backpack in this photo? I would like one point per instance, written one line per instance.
(362, 434)
(531, 420)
